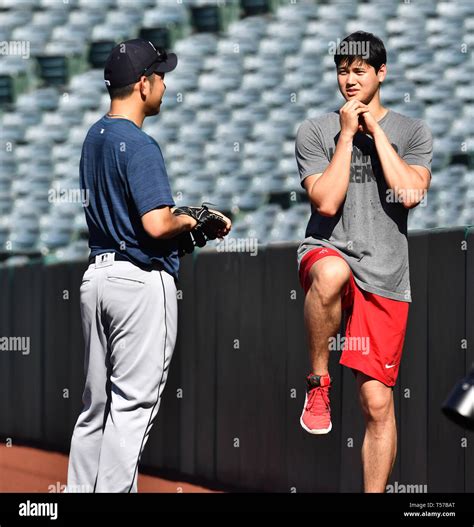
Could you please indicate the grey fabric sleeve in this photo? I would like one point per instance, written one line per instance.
(419, 149)
(310, 154)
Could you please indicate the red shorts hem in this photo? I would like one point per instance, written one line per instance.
(370, 372)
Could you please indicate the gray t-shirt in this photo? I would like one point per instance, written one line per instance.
(370, 229)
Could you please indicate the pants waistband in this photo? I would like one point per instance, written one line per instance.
(154, 266)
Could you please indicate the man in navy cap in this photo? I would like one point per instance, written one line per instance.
(134, 75)
(128, 292)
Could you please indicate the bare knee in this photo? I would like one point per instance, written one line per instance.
(328, 278)
(377, 406)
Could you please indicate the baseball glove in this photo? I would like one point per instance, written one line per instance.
(188, 240)
(210, 225)
(210, 222)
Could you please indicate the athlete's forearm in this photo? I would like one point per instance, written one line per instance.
(400, 177)
(176, 225)
(329, 191)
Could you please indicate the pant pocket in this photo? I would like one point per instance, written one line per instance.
(126, 280)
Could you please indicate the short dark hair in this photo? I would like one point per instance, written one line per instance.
(125, 91)
(348, 53)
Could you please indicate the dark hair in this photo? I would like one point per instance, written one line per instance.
(125, 91)
(348, 53)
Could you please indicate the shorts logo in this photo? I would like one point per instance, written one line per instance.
(390, 365)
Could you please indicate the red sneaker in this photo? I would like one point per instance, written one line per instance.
(316, 416)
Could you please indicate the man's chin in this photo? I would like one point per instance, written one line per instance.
(153, 111)
(358, 97)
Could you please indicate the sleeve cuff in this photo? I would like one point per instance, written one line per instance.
(157, 205)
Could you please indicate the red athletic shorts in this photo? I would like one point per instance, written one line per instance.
(375, 328)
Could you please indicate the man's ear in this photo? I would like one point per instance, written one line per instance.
(381, 74)
(144, 86)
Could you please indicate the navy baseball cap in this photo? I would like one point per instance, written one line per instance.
(131, 59)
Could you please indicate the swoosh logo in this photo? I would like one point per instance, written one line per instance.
(390, 366)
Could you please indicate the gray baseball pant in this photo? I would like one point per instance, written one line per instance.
(129, 322)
